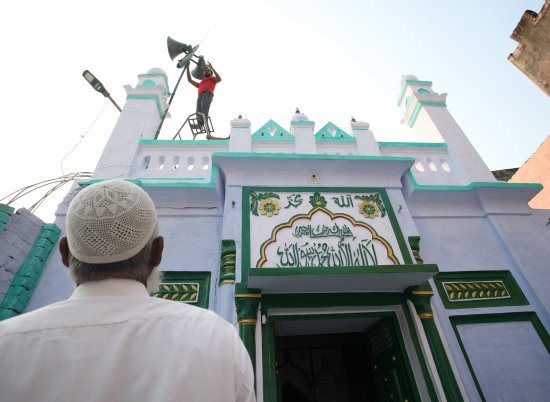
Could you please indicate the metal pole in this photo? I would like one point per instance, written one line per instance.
(114, 103)
(170, 101)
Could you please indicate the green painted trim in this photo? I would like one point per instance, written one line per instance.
(377, 269)
(517, 298)
(340, 135)
(421, 296)
(324, 300)
(301, 122)
(419, 353)
(228, 262)
(202, 277)
(153, 84)
(269, 368)
(413, 144)
(404, 87)
(398, 332)
(245, 234)
(506, 317)
(182, 142)
(471, 186)
(148, 83)
(165, 92)
(245, 258)
(280, 134)
(26, 278)
(181, 184)
(419, 105)
(246, 303)
(493, 318)
(316, 300)
(148, 97)
(176, 178)
(265, 155)
(5, 212)
(6, 209)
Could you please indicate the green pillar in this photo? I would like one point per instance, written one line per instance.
(247, 302)
(227, 262)
(420, 297)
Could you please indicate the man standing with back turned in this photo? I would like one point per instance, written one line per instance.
(111, 341)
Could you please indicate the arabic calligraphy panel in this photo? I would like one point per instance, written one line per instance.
(322, 229)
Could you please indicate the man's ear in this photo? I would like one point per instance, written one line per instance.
(64, 250)
(156, 252)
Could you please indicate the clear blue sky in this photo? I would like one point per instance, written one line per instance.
(332, 59)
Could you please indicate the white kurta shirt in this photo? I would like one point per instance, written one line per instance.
(110, 341)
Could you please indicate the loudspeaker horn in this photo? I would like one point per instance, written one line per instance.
(198, 71)
(176, 48)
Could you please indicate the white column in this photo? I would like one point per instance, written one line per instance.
(366, 144)
(240, 139)
(139, 119)
(302, 129)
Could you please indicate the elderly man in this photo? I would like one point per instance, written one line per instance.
(111, 341)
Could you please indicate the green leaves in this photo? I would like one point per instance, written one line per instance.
(316, 200)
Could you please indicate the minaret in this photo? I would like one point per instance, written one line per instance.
(426, 112)
(139, 119)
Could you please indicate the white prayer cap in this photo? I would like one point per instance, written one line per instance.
(110, 221)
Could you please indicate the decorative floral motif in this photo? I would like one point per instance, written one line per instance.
(317, 200)
(371, 200)
(187, 292)
(369, 209)
(257, 198)
(269, 207)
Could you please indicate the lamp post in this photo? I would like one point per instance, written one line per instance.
(98, 86)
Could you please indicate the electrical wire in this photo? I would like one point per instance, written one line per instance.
(83, 136)
(56, 182)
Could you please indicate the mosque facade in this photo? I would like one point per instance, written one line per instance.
(353, 269)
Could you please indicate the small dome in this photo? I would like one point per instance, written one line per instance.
(156, 70)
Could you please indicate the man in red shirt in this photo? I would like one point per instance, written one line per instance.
(206, 91)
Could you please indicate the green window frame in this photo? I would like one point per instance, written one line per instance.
(496, 318)
(475, 289)
(185, 286)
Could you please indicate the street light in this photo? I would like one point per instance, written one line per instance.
(98, 86)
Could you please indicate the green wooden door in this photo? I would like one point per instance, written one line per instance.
(390, 376)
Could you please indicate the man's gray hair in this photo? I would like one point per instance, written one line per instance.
(136, 267)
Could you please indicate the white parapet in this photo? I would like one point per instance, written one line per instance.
(240, 138)
(303, 130)
(366, 144)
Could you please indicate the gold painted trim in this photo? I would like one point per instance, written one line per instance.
(228, 267)
(256, 295)
(424, 316)
(227, 282)
(247, 321)
(422, 292)
(263, 257)
(229, 256)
